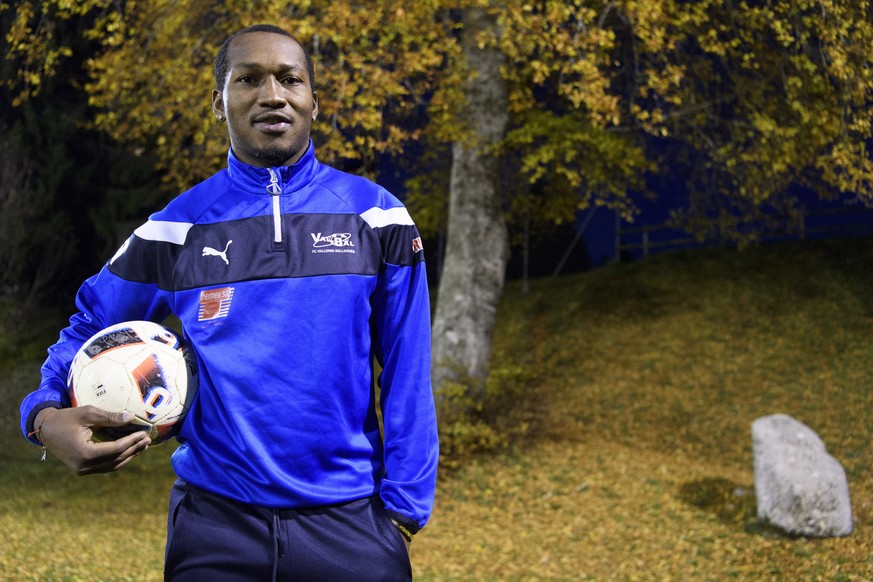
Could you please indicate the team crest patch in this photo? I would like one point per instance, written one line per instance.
(416, 245)
(215, 303)
(338, 242)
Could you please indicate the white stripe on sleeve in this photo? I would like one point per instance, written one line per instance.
(163, 231)
(380, 217)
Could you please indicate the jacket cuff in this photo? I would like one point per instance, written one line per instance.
(410, 524)
(32, 417)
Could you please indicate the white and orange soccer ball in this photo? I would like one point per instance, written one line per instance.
(141, 367)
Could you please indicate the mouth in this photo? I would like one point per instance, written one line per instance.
(272, 123)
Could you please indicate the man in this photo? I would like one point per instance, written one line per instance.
(283, 473)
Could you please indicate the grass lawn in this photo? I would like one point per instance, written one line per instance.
(636, 464)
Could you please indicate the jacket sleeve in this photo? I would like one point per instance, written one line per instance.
(401, 327)
(102, 300)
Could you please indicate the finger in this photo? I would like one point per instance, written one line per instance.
(133, 443)
(107, 466)
(110, 456)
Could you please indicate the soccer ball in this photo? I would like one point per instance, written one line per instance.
(141, 367)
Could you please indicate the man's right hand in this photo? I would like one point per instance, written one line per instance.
(67, 433)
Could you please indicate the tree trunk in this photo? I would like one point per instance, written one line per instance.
(477, 244)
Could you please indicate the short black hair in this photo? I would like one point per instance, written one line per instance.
(221, 64)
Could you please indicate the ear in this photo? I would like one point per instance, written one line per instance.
(314, 105)
(218, 105)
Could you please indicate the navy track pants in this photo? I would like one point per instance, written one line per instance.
(214, 539)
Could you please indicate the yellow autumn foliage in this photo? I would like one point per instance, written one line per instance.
(760, 96)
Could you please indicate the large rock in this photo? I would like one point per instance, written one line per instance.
(800, 488)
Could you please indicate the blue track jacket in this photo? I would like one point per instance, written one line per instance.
(289, 282)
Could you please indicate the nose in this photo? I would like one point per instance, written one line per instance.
(272, 93)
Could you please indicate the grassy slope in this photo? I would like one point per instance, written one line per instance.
(655, 372)
(638, 461)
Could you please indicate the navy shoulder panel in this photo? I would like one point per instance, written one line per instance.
(178, 256)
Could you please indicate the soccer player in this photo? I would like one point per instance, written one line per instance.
(292, 281)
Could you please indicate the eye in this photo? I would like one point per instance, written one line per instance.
(245, 79)
(291, 80)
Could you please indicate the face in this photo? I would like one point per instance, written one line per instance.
(267, 100)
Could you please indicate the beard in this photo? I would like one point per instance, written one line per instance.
(272, 157)
(268, 153)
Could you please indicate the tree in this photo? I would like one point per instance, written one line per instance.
(477, 247)
(544, 71)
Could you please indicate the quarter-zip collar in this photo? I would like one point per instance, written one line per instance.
(259, 180)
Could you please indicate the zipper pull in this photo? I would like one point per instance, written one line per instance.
(273, 187)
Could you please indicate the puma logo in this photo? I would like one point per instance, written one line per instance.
(211, 252)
